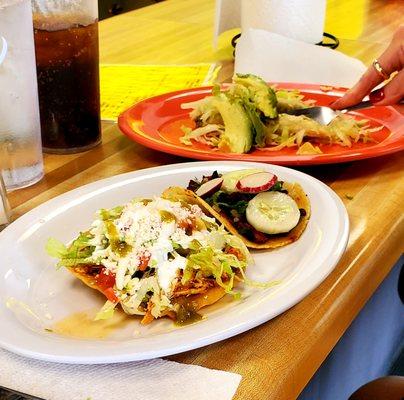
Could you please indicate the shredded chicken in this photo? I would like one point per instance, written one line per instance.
(194, 286)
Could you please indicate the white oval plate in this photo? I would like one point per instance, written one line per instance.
(34, 294)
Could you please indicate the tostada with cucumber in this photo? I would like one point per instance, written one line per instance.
(255, 205)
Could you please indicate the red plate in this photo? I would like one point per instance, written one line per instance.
(157, 122)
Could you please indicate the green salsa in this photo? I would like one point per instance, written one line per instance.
(167, 216)
(186, 314)
(118, 247)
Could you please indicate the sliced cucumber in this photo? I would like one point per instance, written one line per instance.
(230, 179)
(273, 212)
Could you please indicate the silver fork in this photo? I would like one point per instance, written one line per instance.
(324, 115)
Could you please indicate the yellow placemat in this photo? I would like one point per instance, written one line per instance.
(123, 85)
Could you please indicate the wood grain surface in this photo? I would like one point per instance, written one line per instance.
(277, 359)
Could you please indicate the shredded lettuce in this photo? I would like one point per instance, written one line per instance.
(210, 262)
(107, 311)
(294, 131)
(76, 253)
(208, 134)
(261, 285)
(55, 248)
(225, 268)
(238, 244)
(289, 100)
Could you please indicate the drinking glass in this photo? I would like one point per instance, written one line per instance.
(20, 136)
(66, 44)
(4, 208)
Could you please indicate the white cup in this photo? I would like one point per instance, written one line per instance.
(297, 19)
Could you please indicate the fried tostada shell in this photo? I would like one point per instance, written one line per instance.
(294, 190)
(193, 301)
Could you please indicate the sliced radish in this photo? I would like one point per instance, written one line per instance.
(209, 187)
(230, 179)
(256, 183)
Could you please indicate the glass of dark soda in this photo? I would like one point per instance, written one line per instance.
(67, 59)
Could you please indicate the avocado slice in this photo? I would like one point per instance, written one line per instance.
(260, 94)
(239, 132)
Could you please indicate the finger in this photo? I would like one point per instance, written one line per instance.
(370, 79)
(393, 91)
(367, 82)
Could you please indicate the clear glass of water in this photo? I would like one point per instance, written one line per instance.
(20, 133)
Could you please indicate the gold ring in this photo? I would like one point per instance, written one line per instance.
(380, 71)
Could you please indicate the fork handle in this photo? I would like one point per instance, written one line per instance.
(362, 104)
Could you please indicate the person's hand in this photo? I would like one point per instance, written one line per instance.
(391, 60)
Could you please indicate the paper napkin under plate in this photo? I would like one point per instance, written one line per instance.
(124, 85)
(277, 58)
(152, 380)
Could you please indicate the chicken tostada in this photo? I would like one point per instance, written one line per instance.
(165, 256)
(255, 206)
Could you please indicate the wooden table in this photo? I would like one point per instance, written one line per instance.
(277, 359)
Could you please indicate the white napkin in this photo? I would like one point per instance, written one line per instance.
(152, 380)
(276, 58)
